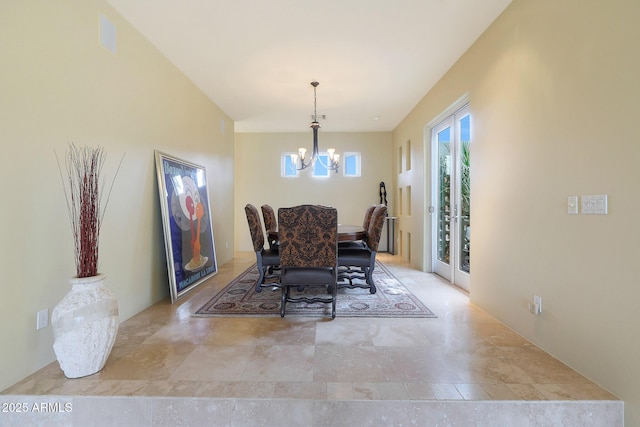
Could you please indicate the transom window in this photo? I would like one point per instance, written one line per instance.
(288, 168)
(320, 168)
(351, 165)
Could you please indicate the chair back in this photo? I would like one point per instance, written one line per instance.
(375, 227)
(367, 221)
(367, 217)
(255, 227)
(308, 236)
(269, 217)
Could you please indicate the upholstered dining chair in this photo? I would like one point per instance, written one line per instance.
(359, 244)
(270, 223)
(266, 259)
(308, 237)
(360, 262)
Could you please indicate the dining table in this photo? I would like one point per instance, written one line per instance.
(346, 233)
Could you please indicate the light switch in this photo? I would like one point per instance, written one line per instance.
(595, 205)
(572, 205)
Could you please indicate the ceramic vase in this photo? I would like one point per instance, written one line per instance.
(85, 325)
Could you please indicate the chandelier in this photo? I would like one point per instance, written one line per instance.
(333, 157)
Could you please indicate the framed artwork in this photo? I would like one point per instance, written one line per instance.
(186, 220)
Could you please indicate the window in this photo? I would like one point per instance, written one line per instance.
(320, 168)
(288, 166)
(352, 164)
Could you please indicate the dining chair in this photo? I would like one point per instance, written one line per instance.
(266, 259)
(308, 237)
(359, 263)
(270, 223)
(359, 244)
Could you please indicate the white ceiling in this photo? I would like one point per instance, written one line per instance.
(255, 59)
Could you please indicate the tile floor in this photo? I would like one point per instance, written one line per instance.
(464, 355)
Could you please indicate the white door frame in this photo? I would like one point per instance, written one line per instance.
(454, 274)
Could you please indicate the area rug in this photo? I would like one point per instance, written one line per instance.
(392, 299)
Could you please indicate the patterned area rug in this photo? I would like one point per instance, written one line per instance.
(392, 299)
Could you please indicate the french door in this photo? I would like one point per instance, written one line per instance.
(451, 204)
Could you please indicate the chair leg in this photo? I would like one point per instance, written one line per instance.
(260, 280)
(369, 274)
(283, 299)
(334, 297)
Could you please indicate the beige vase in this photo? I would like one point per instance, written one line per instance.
(85, 325)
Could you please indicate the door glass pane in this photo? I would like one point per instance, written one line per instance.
(444, 193)
(465, 194)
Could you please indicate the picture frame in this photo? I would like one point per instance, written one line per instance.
(186, 221)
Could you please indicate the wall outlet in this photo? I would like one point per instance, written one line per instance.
(535, 307)
(42, 319)
(538, 302)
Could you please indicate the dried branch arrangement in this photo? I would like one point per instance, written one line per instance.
(83, 187)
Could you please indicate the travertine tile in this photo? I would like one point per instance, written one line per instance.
(236, 389)
(366, 391)
(184, 388)
(420, 391)
(499, 392)
(301, 390)
(462, 366)
(261, 331)
(446, 392)
(148, 362)
(472, 392)
(132, 388)
(393, 391)
(340, 391)
(192, 331)
(348, 363)
(344, 332)
(280, 363)
(573, 392)
(213, 363)
(526, 392)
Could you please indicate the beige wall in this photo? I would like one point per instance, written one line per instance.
(554, 91)
(58, 85)
(258, 179)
